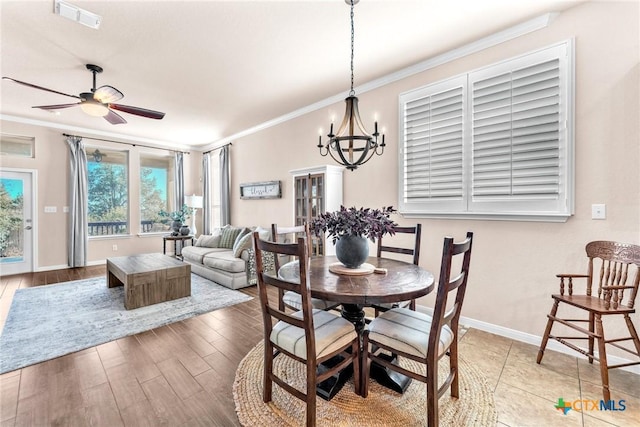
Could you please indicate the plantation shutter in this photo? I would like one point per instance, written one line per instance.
(433, 123)
(516, 131)
(494, 143)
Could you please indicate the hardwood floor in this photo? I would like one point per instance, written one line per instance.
(182, 374)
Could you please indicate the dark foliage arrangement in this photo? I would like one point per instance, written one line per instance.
(363, 222)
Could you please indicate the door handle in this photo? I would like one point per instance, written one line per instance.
(28, 227)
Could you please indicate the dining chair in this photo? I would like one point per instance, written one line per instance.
(423, 338)
(616, 269)
(292, 299)
(414, 252)
(310, 336)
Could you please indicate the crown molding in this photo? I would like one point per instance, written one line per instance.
(164, 145)
(511, 33)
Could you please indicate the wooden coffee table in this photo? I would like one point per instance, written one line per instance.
(149, 278)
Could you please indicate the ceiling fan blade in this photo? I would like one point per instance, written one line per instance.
(106, 94)
(114, 118)
(39, 87)
(55, 107)
(150, 114)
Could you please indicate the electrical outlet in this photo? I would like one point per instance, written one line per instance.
(598, 211)
(115, 247)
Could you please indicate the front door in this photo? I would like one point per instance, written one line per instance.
(16, 224)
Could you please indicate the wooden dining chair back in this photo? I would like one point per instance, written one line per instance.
(310, 336)
(413, 251)
(612, 281)
(287, 235)
(421, 337)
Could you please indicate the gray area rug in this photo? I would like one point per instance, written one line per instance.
(45, 322)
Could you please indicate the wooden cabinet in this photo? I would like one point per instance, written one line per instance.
(317, 190)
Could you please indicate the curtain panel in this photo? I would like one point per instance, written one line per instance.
(225, 188)
(179, 180)
(206, 190)
(78, 203)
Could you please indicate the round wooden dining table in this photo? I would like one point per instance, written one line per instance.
(397, 281)
(400, 281)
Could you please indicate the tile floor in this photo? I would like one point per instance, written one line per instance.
(526, 393)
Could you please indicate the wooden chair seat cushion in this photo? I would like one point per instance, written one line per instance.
(294, 300)
(593, 304)
(407, 331)
(331, 333)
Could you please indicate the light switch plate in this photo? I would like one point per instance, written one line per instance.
(598, 211)
(50, 209)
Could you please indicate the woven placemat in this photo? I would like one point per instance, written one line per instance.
(383, 407)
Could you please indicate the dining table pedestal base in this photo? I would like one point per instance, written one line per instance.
(389, 378)
(332, 385)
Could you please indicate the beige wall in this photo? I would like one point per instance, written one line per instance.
(514, 263)
(52, 163)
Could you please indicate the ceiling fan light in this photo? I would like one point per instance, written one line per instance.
(95, 109)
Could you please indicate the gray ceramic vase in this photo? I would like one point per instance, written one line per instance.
(352, 251)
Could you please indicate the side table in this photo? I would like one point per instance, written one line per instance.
(175, 239)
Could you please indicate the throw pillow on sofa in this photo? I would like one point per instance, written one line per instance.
(228, 237)
(209, 240)
(245, 241)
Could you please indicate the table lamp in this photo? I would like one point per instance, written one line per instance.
(194, 202)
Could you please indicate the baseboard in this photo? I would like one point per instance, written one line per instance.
(64, 266)
(52, 267)
(534, 340)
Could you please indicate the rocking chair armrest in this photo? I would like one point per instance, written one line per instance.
(617, 288)
(563, 276)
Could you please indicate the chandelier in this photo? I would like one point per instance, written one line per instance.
(351, 146)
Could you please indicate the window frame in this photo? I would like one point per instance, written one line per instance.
(127, 168)
(516, 208)
(170, 184)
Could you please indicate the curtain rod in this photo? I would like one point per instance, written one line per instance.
(128, 143)
(217, 148)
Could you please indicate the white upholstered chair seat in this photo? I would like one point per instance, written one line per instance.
(331, 333)
(294, 300)
(290, 271)
(407, 331)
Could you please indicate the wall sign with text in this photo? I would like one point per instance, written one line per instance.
(261, 190)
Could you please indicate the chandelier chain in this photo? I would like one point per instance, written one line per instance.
(352, 92)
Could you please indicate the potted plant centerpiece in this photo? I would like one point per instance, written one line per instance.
(350, 228)
(178, 218)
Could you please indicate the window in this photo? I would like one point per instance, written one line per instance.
(493, 143)
(108, 192)
(215, 195)
(156, 192)
(14, 145)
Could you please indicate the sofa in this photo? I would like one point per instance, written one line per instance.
(225, 256)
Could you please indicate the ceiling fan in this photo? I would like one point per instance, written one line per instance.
(99, 102)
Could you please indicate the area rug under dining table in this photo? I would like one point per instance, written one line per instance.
(382, 407)
(49, 321)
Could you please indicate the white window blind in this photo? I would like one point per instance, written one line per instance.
(434, 146)
(493, 142)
